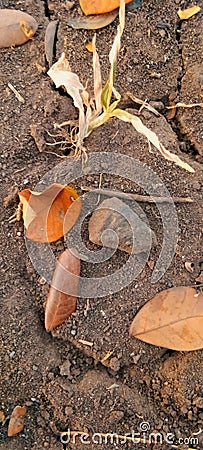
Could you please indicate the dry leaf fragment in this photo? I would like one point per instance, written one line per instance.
(92, 22)
(189, 12)
(60, 304)
(172, 111)
(16, 423)
(16, 27)
(45, 213)
(50, 40)
(172, 319)
(99, 6)
(89, 47)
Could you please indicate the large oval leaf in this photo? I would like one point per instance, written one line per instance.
(50, 214)
(60, 304)
(172, 319)
(16, 27)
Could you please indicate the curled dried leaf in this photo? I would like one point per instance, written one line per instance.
(172, 319)
(61, 75)
(50, 214)
(16, 423)
(62, 297)
(16, 27)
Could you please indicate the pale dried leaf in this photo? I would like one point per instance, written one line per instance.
(189, 12)
(92, 22)
(97, 77)
(61, 75)
(172, 319)
(113, 56)
(185, 105)
(151, 136)
(142, 103)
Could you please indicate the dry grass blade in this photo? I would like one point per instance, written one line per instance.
(143, 103)
(113, 56)
(151, 136)
(185, 105)
(97, 77)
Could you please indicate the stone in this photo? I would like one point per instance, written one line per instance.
(115, 225)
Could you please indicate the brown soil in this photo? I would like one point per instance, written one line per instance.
(62, 382)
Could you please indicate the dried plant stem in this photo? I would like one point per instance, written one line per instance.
(138, 197)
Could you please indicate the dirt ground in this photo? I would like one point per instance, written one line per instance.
(64, 383)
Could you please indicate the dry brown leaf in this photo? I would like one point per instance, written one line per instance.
(189, 12)
(92, 22)
(16, 423)
(60, 304)
(89, 47)
(99, 6)
(172, 319)
(45, 213)
(16, 27)
(172, 111)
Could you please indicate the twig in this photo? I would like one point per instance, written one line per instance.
(18, 96)
(143, 104)
(100, 184)
(184, 105)
(138, 197)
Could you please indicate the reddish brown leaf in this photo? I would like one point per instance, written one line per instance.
(16, 27)
(100, 6)
(61, 300)
(45, 213)
(172, 111)
(16, 423)
(172, 319)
